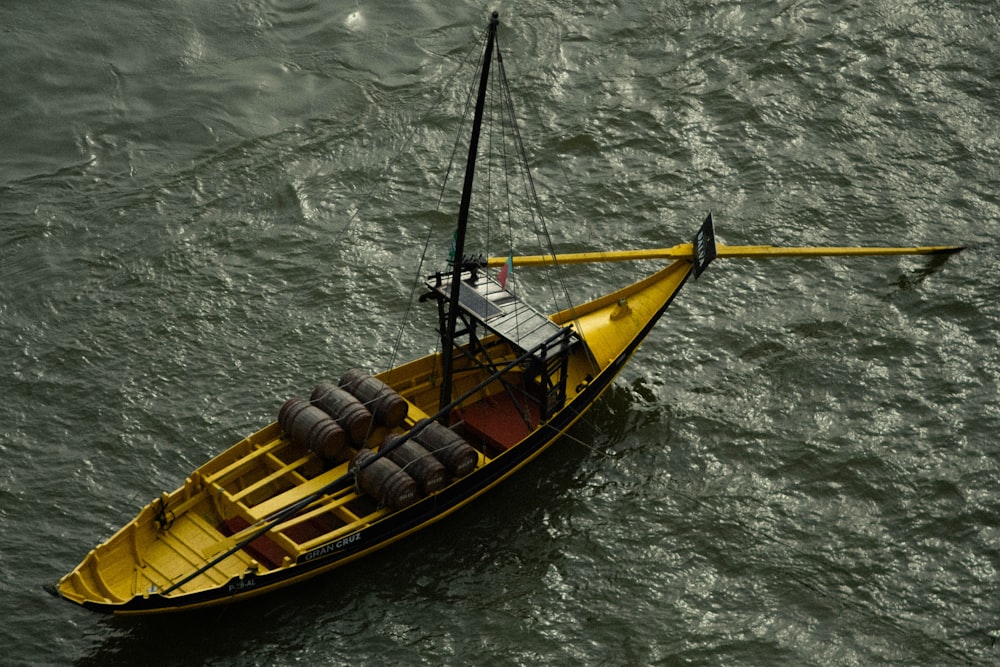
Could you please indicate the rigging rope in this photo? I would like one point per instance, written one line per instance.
(508, 124)
(415, 283)
(340, 234)
(541, 228)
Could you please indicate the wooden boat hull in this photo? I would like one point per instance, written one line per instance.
(301, 497)
(134, 570)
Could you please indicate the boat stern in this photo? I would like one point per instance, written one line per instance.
(104, 577)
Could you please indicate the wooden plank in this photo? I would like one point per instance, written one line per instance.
(274, 476)
(283, 500)
(513, 320)
(219, 475)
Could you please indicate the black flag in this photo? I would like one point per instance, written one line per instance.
(704, 246)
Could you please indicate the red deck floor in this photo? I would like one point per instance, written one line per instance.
(499, 420)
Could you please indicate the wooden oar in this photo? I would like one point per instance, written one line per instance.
(686, 251)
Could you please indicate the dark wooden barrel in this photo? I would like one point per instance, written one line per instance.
(427, 471)
(383, 480)
(310, 427)
(451, 449)
(388, 407)
(344, 407)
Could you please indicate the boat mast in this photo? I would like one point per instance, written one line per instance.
(448, 336)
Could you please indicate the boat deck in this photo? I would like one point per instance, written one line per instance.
(266, 475)
(224, 502)
(499, 421)
(502, 312)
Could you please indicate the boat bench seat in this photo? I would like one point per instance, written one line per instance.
(309, 487)
(296, 493)
(263, 549)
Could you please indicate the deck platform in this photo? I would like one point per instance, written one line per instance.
(503, 313)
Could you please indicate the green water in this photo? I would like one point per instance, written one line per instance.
(800, 465)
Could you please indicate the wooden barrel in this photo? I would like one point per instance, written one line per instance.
(458, 456)
(344, 407)
(388, 407)
(310, 427)
(420, 464)
(383, 480)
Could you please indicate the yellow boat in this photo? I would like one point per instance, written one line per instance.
(369, 460)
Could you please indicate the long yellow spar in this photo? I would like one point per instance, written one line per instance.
(686, 251)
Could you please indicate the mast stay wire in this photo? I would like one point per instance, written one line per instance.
(337, 238)
(415, 282)
(541, 227)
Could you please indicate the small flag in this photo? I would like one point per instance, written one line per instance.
(454, 246)
(704, 246)
(505, 270)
